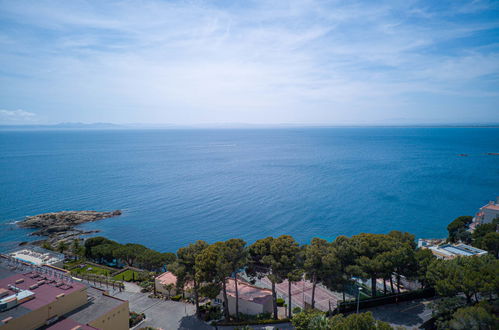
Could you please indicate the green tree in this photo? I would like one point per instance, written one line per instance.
(490, 243)
(62, 246)
(483, 229)
(154, 260)
(46, 245)
(76, 248)
(442, 310)
(362, 321)
(213, 268)
(169, 288)
(370, 256)
(458, 225)
(344, 255)
(95, 241)
(301, 320)
(464, 275)
(185, 267)
(129, 253)
(473, 318)
(314, 267)
(400, 260)
(424, 257)
(103, 252)
(292, 277)
(272, 257)
(236, 254)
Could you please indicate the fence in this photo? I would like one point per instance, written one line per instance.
(388, 299)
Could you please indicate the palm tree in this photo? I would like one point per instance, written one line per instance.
(169, 287)
(62, 246)
(76, 249)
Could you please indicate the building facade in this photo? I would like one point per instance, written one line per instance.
(252, 300)
(32, 297)
(487, 213)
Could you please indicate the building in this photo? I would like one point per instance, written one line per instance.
(487, 213)
(167, 278)
(38, 256)
(451, 251)
(32, 297)
(252, 300)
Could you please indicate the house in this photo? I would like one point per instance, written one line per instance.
(252, 300)
(487, 213)
(167, 278)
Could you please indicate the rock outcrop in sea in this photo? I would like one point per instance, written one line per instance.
(59, 226)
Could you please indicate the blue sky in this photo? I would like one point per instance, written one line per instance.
(261, 62)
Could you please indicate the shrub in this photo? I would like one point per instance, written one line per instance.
(135, 318)
(296, 310)
(176, 298)
(254, 322)
(209, 313)
(280, 302)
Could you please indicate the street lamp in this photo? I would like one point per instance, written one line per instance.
(358, 300)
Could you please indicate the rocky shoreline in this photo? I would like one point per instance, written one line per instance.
(60, 226)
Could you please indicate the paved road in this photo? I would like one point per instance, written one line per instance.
(168, 315)
(408, 314)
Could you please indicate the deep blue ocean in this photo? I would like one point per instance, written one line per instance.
(177, 186)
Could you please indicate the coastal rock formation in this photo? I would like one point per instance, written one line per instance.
(63, 221)
(59, 226)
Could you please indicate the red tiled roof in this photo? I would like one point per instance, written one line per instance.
(169, 278)
(247, 291)
(491, 207)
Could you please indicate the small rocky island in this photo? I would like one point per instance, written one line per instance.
(59, 226)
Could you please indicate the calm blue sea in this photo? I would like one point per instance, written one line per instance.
(178, 186)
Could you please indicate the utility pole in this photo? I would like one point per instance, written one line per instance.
(358, 300)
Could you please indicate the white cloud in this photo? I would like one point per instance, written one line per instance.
(193, 61)
(16, 116)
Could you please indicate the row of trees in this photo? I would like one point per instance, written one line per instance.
(368, 256)
(104, 250)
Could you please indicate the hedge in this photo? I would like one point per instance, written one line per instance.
(176, 298)
(253, 322)
(388, 299)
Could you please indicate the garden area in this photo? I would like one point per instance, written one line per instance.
(83, 268)
(128, 276)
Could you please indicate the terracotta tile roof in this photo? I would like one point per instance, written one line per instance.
(169, 278)
(491, 207)
(247, 291)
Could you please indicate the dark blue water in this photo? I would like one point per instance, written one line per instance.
(177, 186)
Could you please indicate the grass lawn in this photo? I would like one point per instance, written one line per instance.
(127, 275)
(91, 269)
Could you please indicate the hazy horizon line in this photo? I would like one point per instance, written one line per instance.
(107, 125)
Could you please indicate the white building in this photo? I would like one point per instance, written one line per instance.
(450, 251)
(37, 256)
(487, 213)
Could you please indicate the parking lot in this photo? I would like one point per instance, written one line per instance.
(409, 314)
(168, 315)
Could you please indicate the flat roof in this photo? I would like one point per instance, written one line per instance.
(43, 294)
(97, 305)
(69, 324)
(36, 255)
